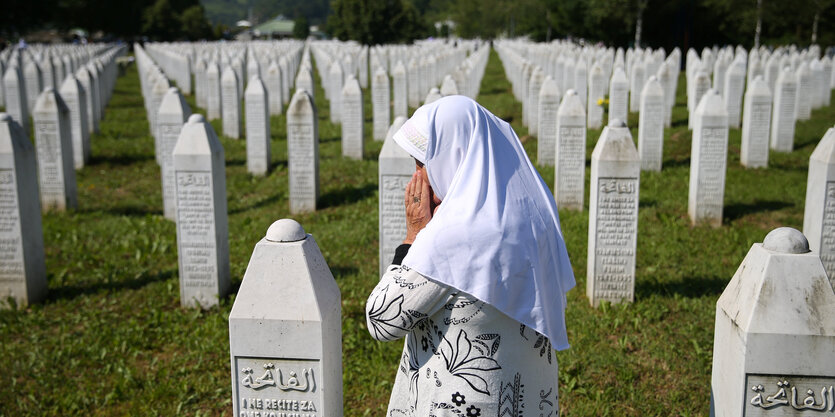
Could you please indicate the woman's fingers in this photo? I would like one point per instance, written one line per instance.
(425, 198)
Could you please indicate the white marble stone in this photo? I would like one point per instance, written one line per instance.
(597, 92)
(231, 108)
(819, 211)
(449, 87)
(53, 142)
(783, 114)
(532, 99)
(15, 96)
(304, 81)
(23, 270)
(202, 220)
(619, 95)
(434, 94)
(636, 85)
(734, 88)
(651, 125)
(302, 152)
(400, 93)
(285, 330)
(708, 161)
(395, 171)
(701, 84)
(581, 84)
(76, 100)
(173, 114)
(774, 334)
(549, 102)
(336, 78)
(756, 123)
(158, 91)
(805, 89)
(256, 99)
(570, 153)
(613, 216)
(33, 78)
(381, 103)
(352, 120)
(213, 96)
(272, 83)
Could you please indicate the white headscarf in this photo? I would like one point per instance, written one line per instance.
(496, 234)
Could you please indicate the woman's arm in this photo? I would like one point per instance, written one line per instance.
(401, 300)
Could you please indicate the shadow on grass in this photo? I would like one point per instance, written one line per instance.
(738, 210)
(73, 291)
(346, 195)
(669, 163)
(261, 203)
(342, 271)
(123, 160)
(133, 211)
(693, 287)
(275, 164)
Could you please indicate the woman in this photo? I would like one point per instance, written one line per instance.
(478, 287)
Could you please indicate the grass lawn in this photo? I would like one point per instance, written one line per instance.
(111, 338)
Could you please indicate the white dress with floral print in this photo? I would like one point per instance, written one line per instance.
(461, 357)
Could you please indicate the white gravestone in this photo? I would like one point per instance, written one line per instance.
(636, 86)
(352, 119)
(302, 153)
(651, 125)
(231, 108)
(734, 85)
(400, 91)
(173, 113)
(804, 92)
(257, 127)
(76, 100)
(448, 87)
(274, 89)
(381, 101)
(213, 91)
(597, 92)
(202, 223)
(570, 153)
(53, 142)
(304, 81)
(159, 90)
(285, 330)
(23, 270)
(756, 122)
(87, 81)
(783, 113)
(774, 335)
(532, 99)
(34, 82)
(15, 95)
(549, 102)
(819, 211)
(395, 171)
(619, 95)
(613, 216)
(434, 94)
(580, 81)
(708, 163)
(335, 91)
(701, 84)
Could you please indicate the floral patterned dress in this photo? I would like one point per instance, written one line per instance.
(462, 357)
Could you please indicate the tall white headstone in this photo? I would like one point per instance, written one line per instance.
(213, 96)
(734, 87)
(597, 92)
(381, 102)
(173, 114)
(613, 216)
(274, 89)
(819, 211)
(53, 142)
(302, 152)
(804, 92)
(651, 125)
(774, 335)
(619, 95)
(701, 84)
(33, 78)
(231, 108)
(756, 123)
(395, 171)
(23, 270)
(400, 91)
(532, 99)
(784, 114)
(448, 87)
(76, 100)
(15, 95)
(335, 89)
(202, 221)
(570, 153)
(352, 120)
(257, 127)
(305, 81)
(708, 161)
(285, 330)
(549, 103)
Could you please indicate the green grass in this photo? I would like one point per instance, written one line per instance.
(111, 338)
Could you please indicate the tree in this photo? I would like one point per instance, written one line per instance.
(160, 22)
(301, 28)
(194, 23)
(373, 22)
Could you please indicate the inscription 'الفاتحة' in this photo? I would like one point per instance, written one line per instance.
(781, 397)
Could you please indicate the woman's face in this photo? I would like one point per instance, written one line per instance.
(433, 205)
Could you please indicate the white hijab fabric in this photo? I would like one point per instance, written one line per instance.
(496, 235)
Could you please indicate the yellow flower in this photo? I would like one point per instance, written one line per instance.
(600, 102)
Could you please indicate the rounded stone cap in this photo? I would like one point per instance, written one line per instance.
(196, 118)
(285, 230)
(617, 123)
(172, 89)
(5, 117)
(786, 240)
(571, 92)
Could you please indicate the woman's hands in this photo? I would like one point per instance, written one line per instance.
(418, 202)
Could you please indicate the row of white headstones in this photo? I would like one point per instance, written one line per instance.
(42, 177)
